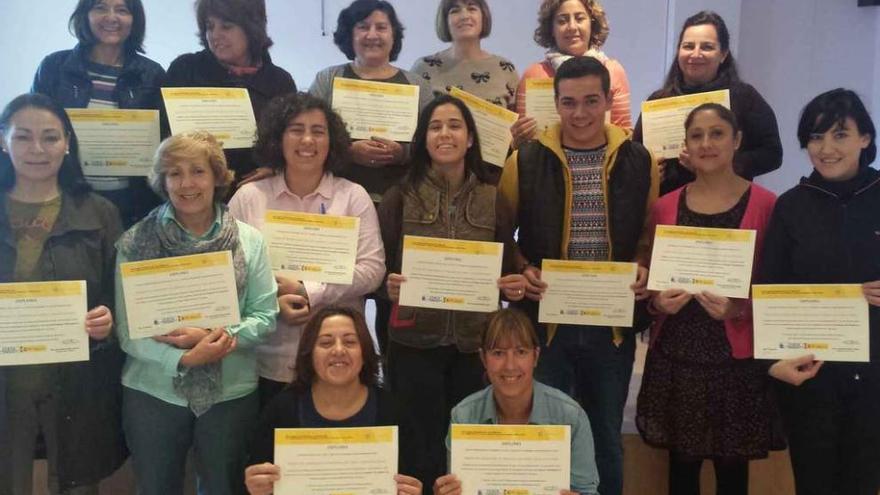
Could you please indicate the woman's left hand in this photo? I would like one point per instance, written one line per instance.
(513, 286)
(407, 485)
(872, 292)
(640, 286)
(718, 307)
(99, 322)
(256, 174)
(448, 484)
(393, 148)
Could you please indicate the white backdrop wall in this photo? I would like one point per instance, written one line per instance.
(789, 49)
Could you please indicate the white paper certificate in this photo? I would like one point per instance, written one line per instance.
(336, 461)
(829, 321)
(493, 125)
(380, 109)
(701, 259)
(224, 112)
(450, 274)
(43, 322)
(185, 291)
(541, 102)
(663, 120)
(116, 142)
(588, 293)
(305, 246)
(511, 459)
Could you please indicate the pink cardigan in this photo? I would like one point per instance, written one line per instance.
(756, 217)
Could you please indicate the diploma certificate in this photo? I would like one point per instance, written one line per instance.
(369, 108)
(165, 294)
(511, 459)
(588, 293)
(305, 246)
(224, 112)
(43, 322)
(325, 461)
(493, 125)
(828, 321)
(450, 274)
(702, 259)
(541, 102)
(663, 120)
(116, 142)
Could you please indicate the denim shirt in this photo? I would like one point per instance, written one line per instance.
(549, 407)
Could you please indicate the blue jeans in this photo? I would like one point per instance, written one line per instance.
(583, 362)
(160, 434)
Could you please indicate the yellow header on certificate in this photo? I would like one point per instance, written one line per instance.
(177, 263)
(687, 101)
(453, 246)
(476, 103)
(112, 116)
(597, 267)
(508, 432)
(539, 84)
(390, 89)
(23, 290)
(705, 234)
(310, 220)
(808, 291)
(319, 436)
(204, 93)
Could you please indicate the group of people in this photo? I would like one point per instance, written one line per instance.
(302, 355)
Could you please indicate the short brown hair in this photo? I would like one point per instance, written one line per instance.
(305, 367)
(249, 15)
(195, 146)
(508, 324)
(442, 22)
(599, 28)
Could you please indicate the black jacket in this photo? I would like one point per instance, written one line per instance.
(202, 69)
(820, 236)
(760, 151)
(80, 247)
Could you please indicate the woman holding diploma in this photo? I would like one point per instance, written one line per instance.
(571, 28)
(825, 231)
(370, 35)
(704, 63)
(336, 386)
(509, 351)
(432, 354)
(194, 387)
(465, 64)
(52, 228)
(106, 70)
(306, 143)
(236, 55)
(702, 395)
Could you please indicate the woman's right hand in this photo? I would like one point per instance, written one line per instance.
(392, 284)
(258, 173)
(212, 348)
(294, 309)
(684, 158)
(535, 287)
(260, 478)
(795, 371)
(670, 301)
(448, 484)
(372, 153)
(524, 129)
(184, 337)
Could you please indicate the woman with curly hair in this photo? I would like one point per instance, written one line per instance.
(571, 28)
(306, 143)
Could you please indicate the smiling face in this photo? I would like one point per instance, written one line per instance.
(110, 22)
(36, 142)
(711, 142)
(190, 186)
(373, 38)
(581, 104)
(700, 54)
(465, 20)
(510, 367)
(337, 357)
(571, 28)
(227, 41)
(306, 142)
(835, 153)
(447, 139)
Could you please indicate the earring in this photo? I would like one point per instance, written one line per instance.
(67, 151)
